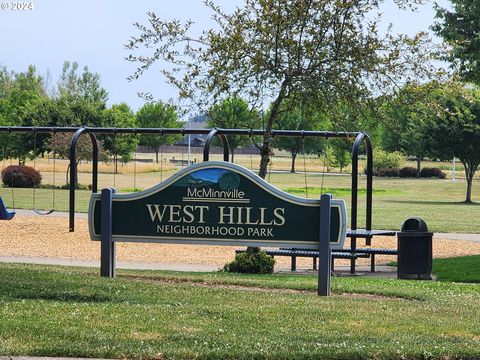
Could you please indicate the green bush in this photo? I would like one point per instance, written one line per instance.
(383, 159)
(21, 176)
(255, 262)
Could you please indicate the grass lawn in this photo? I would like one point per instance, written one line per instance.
(459, 269)
(57, 311)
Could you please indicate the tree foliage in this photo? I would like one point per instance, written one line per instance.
(24, 101)
(404, 120)
(295, 119)
(158, 115)
(460, 29)
(121, 145)
(453, 129)
(84, 86)
(316, 51)
(233, 113)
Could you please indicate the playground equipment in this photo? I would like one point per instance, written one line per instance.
(360, 138)
(4, 213)
(34, 197)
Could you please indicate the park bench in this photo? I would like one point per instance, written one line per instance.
(370, 252)
(349, 254)
(352, 253)
(181, 162)
(294, 253)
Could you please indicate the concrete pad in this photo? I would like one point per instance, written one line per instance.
(382, 271)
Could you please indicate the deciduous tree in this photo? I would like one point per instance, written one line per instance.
(233, 113)
(404, 119)
(299, 50)
(453, 128)
(460, 29)
(158, 115)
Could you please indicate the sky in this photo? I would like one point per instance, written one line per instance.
(93, 33)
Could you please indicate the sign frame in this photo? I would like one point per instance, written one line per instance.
(103, 204)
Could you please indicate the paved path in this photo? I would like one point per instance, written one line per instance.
(340, 270)
(455, 236)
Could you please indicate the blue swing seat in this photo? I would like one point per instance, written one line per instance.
(4, 213)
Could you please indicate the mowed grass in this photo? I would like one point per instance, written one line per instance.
(459, 269)
(438, 202)
(57, 311)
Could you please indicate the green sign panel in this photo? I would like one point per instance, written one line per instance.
(218, 203)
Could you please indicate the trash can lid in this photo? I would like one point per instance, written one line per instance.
(414, 224)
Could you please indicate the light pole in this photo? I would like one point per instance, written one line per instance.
(188, 139)
(453, 169)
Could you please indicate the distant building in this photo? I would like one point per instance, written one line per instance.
(196, 122)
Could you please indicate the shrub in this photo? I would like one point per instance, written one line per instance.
(386, 172)
(256, 262)
(408, 172)
(383, 159)
(432, 173)
(21, 176)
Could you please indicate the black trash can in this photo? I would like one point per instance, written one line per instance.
(414, 250)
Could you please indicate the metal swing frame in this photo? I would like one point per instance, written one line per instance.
(360, 138)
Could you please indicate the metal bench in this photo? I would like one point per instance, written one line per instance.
(294, 253)
(371, 252)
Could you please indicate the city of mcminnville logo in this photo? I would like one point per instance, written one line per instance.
(212, 184)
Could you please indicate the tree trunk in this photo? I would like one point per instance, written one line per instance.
(468, 198)
(294, 156)
(233, 154)
(469, 174)
(419, 160)
(156, 154)
(265, 149)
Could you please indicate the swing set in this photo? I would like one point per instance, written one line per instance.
(360, 138)
(6, 214)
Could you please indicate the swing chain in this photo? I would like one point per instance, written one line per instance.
(304, 165)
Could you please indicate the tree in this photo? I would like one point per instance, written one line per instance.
(21, 95)
(85, 86)
(341, 153)
(404, 120)
(460, 29)
(122, 145)
(233, 113)
(158, 115)
(299, 50)
(453, 129)
(59, 145)
(293, 120)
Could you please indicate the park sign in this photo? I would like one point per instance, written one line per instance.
(217, 203)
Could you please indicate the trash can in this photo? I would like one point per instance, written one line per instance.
(414, 250)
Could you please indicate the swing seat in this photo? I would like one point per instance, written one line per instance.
(4, 213)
